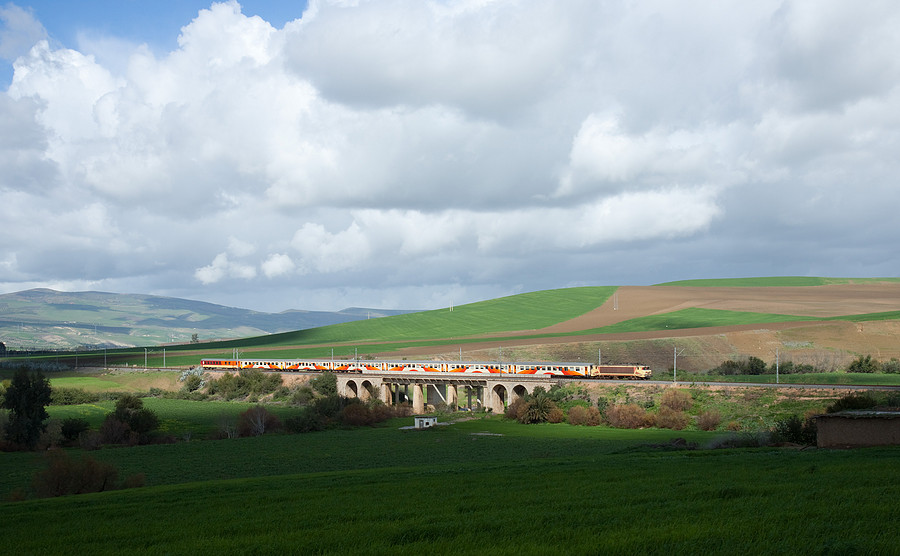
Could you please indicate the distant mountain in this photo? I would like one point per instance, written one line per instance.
(49, 319)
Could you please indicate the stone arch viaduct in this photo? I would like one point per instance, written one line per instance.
(473, 391)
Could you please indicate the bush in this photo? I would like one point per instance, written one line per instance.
(72, 396)
(192, 383)
(247, 383)
(627, 416)
(891, 367)
(536, 409)
(852, 401)
(114, 431)
(302, 396)
(864, 365)
(329, 407)
(578, 415)
(307, 421)
(589, 416)
(72, 427)
(356, 415)
(793, 429)
(556, 415)
(709, 420)
(669, 418)
(325, 384)
(676, 400)
(257, 421)
(137, 419)
(66, 475)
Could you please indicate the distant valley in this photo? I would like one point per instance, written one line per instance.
(45, 319)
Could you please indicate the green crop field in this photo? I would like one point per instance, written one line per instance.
(474, 487)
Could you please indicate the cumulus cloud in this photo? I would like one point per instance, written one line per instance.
(19, 30)
(394, 151)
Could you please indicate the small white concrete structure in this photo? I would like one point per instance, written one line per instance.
(425, 422)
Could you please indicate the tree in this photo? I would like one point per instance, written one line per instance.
(26, 398)
(131, 412)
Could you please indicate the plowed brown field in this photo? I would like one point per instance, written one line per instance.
(825, 344)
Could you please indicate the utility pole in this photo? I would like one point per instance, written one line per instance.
(675, 364)
(776, 366)
(145, 359)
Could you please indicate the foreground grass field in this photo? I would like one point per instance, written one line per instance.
(474, 487)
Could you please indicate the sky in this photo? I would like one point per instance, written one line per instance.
(417, 154)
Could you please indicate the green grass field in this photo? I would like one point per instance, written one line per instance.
(474, 487)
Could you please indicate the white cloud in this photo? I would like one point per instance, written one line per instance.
(19, 30)
(221, 267)
(278, 264)
(382, 148)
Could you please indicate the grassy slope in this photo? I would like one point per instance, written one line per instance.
(533, 490)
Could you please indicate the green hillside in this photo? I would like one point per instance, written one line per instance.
(527, 311)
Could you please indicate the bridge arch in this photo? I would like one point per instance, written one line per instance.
(367, 390)
(518, 391)
(351, 390)
(498, 399)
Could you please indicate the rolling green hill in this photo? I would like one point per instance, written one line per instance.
(48, 319)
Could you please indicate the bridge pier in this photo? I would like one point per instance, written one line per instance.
(480, 391)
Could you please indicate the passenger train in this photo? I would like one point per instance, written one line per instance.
(586, 370)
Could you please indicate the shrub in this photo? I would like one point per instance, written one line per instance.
(302, 396)
(257, 421)
(356, 415)
(536, 409)
(137, 419)
(577, 415)
(556, 415)
(72, 396)
(515, 409)
(589, 416)
(852, 401)
(669, 418)
(793, 429)
(192, 383)
(627, 416)
(90, 440)
(307, 421)
(114, 431)
(733, 426)
(329, 407)
(709, 420)
(676, 400)
(325, 384)
(891, 367)
(864, 365)
(72, 427)
(66, 475)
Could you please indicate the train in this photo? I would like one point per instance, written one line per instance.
(586, 370)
